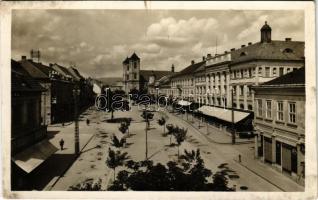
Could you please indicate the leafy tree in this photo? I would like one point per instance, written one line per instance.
(115, 159)
(147, 116)
(118, 143)
(180, 135)
(87, 185)
(162, 122)
(170, 128)
(147, 176)
(123, 127)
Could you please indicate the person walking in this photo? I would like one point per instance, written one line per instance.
(87, 122)
(61, 144)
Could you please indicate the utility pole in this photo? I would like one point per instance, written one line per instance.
(76, 92)
(146, 135)
(233, 129)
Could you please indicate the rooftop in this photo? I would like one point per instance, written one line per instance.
(295, 77)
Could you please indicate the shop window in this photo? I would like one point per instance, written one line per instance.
(260, 71)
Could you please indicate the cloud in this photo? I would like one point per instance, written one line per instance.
(99, 40)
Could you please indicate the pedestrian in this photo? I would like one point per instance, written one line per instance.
(87, 122)
(61, 144)
(240, 158)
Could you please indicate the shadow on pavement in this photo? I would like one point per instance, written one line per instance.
(54, 166)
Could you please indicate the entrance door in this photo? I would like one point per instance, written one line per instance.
(286, 155)
(268, 149)
(278, 152)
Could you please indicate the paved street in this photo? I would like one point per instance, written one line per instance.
(91, 163)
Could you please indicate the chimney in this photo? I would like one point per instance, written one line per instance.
(23, 58)
(250, 43)
(51, 65)
(172, 68)
(192, 62)
(203, 58)
(209, 55)
(288, 39)
(225, 52)
(233, 49)
(243, 45)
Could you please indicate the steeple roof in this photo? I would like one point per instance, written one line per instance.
(134, 57)
(126, 61)
(266, 27)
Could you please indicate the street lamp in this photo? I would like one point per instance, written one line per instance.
(76, 92)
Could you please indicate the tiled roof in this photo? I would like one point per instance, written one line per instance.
(34, 71)
(295, 77)
(274, 50)
(145, 74)
(190, 69)
(45, 69)
(75, 73)
(21, 81)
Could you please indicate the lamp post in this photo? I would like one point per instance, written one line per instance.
(76, 92)
(233, 131)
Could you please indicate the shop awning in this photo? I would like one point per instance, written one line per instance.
(184, 103)
(33, 156)
(223, 114)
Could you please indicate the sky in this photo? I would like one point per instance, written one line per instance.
(97, 41)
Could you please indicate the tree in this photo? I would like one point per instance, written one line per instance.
(170, 128)
(128, 121)
(180, 135)
(147, 176)
(87, 185)
(116, 159)
(147, 117)
(123, 127)
(118, 143)
(162, 122)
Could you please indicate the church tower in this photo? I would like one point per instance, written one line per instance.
(131, 75)
(266, 32)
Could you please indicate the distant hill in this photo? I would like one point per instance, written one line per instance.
(110, 80)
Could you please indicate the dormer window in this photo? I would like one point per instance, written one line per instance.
(243, 54)
(288, 50)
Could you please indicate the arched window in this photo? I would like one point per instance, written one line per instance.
(250, 107)
(288, 50)
(241, 106)
(243, 54)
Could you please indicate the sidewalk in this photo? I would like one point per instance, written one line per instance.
(269, 174)
(55, 166)
(213, 133)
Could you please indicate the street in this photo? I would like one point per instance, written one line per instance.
(91, 163)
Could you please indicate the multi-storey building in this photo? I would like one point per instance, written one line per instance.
(28, 145)
(280, 123)
(183, 83)
(260, 62)
(218, 80)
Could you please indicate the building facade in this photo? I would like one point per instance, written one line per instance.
(253, 64)
(280, 123)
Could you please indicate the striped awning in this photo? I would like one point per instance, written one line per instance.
(223, 113)
(33, 156)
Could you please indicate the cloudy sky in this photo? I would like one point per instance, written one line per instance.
(97, 41)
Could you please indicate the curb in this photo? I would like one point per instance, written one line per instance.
(263, 177)
(210, 139)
